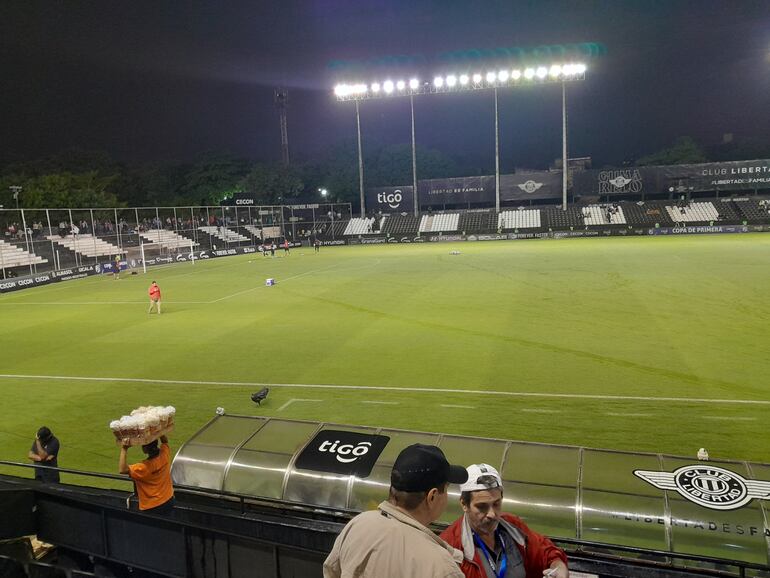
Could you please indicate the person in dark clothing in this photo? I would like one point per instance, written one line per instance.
(45, 451)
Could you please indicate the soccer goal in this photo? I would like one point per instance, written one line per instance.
(145, 254)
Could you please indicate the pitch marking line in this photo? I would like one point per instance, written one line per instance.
(452, 406)
(262, 286)
(621, 414)
(385, 388)
(291, 401)
(728, 418)
(541, 410)
(383, 402)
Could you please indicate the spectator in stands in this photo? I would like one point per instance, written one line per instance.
(395, 540)
(496, 544)
(152, 477)
(45, 451)
(154, 292)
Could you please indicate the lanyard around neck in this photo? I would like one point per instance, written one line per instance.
(490, 558)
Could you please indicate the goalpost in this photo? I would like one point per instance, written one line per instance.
(142, 254)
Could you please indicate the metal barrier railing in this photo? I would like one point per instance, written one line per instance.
(659, 559)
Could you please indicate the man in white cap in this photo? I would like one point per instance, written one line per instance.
(498, 545)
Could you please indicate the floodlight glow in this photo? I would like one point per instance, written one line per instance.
(438, 82)
(516, 74)
(375, 87)
(580, 68)
(451, 80)
(360, 89)
(491, 77)
(401, 85)
(502, 76)
(568, 69)
(387, 86)
(541, 72)
(414, 84)
(555, 70)
(529, 73)
(476, 78)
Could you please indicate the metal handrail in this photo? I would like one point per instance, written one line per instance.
(578, 546)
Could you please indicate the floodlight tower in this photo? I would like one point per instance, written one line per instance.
(556, 73)
(281, 103)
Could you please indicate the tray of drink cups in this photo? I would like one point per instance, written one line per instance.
(143, 425)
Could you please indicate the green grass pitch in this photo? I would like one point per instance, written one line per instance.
(617, 323)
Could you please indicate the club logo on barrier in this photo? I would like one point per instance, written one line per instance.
(529, 186)
(619, 182)
(708, 486)
(342, 452)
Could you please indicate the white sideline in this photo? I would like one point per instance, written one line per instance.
(291, 401)
(386, 388)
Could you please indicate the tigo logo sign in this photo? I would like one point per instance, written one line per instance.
(342, 452)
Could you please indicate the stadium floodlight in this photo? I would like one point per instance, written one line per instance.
(544, 72)
(341, 90)
(323, 192)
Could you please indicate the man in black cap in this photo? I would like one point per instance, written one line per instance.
(45, 452)
(395, 540)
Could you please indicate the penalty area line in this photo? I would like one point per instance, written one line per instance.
(389, 389)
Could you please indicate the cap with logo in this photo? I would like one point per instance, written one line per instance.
(482, 477)
(420, 467)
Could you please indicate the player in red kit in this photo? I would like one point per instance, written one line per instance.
(154, 293)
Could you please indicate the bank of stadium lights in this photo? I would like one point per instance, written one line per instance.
(453, 82)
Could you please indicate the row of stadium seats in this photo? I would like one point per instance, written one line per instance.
(168, 239)
(520, 219)
(223, 233)
(693, 212)
(440, 223)
(478, 221)
(13, 256)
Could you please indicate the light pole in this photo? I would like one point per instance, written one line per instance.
(16, 189)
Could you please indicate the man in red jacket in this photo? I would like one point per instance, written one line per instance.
(495, 544)
(154, 292)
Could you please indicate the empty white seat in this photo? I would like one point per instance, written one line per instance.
(168, 239)
(13, 256)
(359, 226)
(441, 223)
(694, 212)
(87, 245)
(519, 219)
(223, 233)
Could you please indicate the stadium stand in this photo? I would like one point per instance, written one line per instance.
(400, 225)
(223, 233)
(87, 245)
(255, 231)
(272, 232)
(478, 221)
(604, 215)
(693, 213)
(443, 222)
(13, 256)
(646, 214)
(168, 239)
(359, 226)
(558, 218)
(727, 211)
(520, 219)
(752, 210)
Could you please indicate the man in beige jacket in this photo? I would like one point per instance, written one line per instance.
(394, 540)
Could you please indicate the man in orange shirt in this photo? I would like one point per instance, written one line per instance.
(154, 292)
(152, 477)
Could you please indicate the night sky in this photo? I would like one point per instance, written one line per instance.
(161, 80)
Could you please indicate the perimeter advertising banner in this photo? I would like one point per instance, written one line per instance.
(390, 199)
(530, 185)
(737, 175)
(457, 191)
